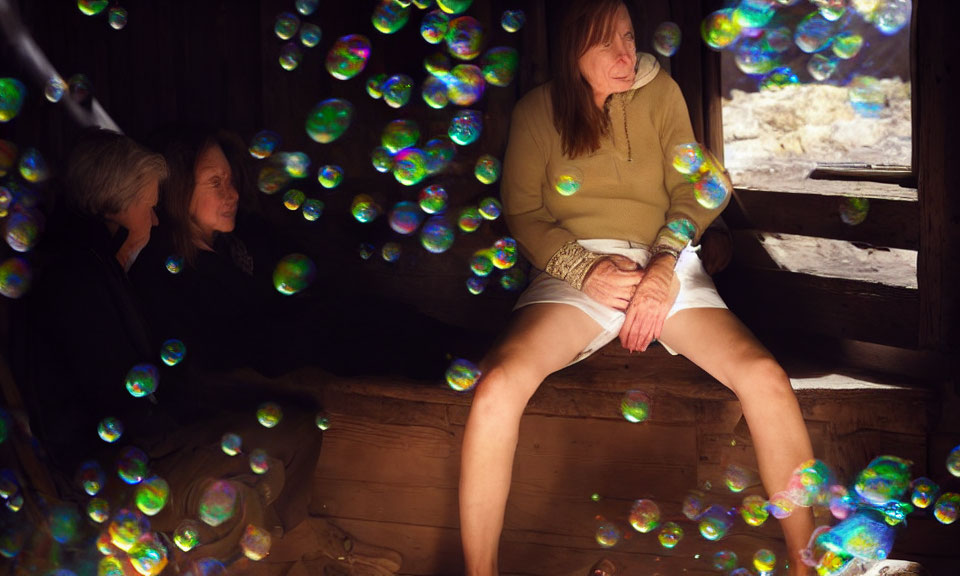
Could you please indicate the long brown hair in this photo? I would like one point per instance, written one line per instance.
(575, 115)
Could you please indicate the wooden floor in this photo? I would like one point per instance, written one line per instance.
(389, 467)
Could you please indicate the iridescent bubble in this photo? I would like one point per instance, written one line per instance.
(513, 20)
(375, 85)
(111, 566)
(568, 181)
(754, 13)
(781, 506)
(80, 88)
(947, 507)
(866, 96)
(391, 252)
(293, 273)
(481, 263)
(310, 34)
(885, 479)
(307, 7)
(608, 534)
(91, 477)
(382, 160)
(440, 152)
(433, 199)
(924, 492)
(499, 65)
(142, 380)
(329, 120)
(259, 461)
(172, 352)
(285, 25)
(666, 38)
(33, 166)
(512, 279)
(397, 90)
(866, 8)
(126, 527)
(489, 208)
(389, 16)
(644, 515)
(487, 169)
(322, 421)
(364, 208)
(132, 465)
(148, 556)
(423, 4)
(152, 495)
(476, 285)
(841, 502)
(505, 253)
(469, 219)
(434, 26)
(64, 520)
(293, 199)
(436, 235)
(737, 477)
(719, 30)
(366, 250)
(853, 211)
(688, 159)
(92, 7)
(255, 542)
(437, 64)
(330, 176)
(714, 187)
(263, 144)
(454, 6)
(861, 536)
(715, 522)
(231, 444)
(892, 15)
(813, 33)
(409, 166)
(670, 535)
(269, 414)
(98, 510)
(290, 56)
(465, 84)
(682, 228)
(186, 536)
(753, 510)
(953, 461)
(464, 38)
(810, 483)
(217, 503)
(23, 229)
(348, 56)
(821, 66)
(754, 57)
(462, 375)
(764, 560)
(778, 78)
(110, 429)
(724, 561)
(173, 264)
(847, 44)
(15, 277)
(434, 93)
(117, 17)
(400, 134)
(54, 88)
(405, 218)
(635, 406)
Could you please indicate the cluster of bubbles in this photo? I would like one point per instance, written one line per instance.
(116, 15)
(763, 34)
(502, 255)
(287, 27)
(711, 182)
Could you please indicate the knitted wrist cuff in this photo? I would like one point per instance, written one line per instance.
(571, 264)
(672, 239)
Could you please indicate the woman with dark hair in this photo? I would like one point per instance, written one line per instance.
(613, 265)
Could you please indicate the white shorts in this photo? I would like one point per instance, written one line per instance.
(696, 290)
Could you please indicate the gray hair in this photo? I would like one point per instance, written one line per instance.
(106, 170)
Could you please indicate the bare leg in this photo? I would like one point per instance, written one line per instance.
(541, 339)
(715, 340)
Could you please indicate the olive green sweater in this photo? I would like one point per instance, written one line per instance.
(629, 189)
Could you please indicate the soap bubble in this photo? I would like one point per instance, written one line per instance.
(753, 56)
(454, 6)
(476, 285)
(151, 495)
(132, 465)
(269, 414)
(375, 85)
(490, 208)
(126, 527)
(821, 67)
(670, 535)
(92, 7)
(310, 34)
(382, 159)
(397, 90)
(853, 211)
(322, 421)
(608, 534)
(366, 250)
(80, 88)
(464, 38)
(348, 56)
(469, 219)
(512, 279)
(465, 84)
(290, 56)
(389, 16)
(513, 20)
(409, 166)
(405, 218)
(54, 89)
(307, 7)
(23, 229)
(753, 510)
(434, 26)
(172, 352)
(293, 273)
(117, 17)
(187, 535)
(142, 380)
(724, 561)
(810, 483)
(814, 33)
(635, 406)
(842, 504)
(148, 556)
(778, 78)
(644, 515)
(400, 134)
(481, 263)
(487, 169)
(569, 181)
(439, 153)
(499, 65)
(33, 166)
(259, 461)
(462, 375)
(15, 277)
(719, 30)
(861, 536)
(892, 15)
(293, 199)
(924, 491)
(231, 444)
(255, 542)
(110, 429)
(330, 176)
(693, 505)
(953, 461)
(434, 93)
(885, 479)
(947, 507)
(263, 144)
(433, 199)
(847, 44)
(781, 506)
(91, 477)
(666, 38)
(217, 503)
(715, 522)
(436, 235)
(437, 65)
(329, 120)
(312, 209)
(98, 510)
(285, 25)
(764, 560)
(754, 13)
(391, 252)
(364, 208)
(737, 478)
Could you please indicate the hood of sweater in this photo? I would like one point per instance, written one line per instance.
(647, 68)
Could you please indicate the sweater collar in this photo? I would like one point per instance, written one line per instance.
(647, 68)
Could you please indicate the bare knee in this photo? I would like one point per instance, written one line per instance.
(504, 389)
(761, 377)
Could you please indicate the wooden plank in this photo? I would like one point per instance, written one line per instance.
(891, 223)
